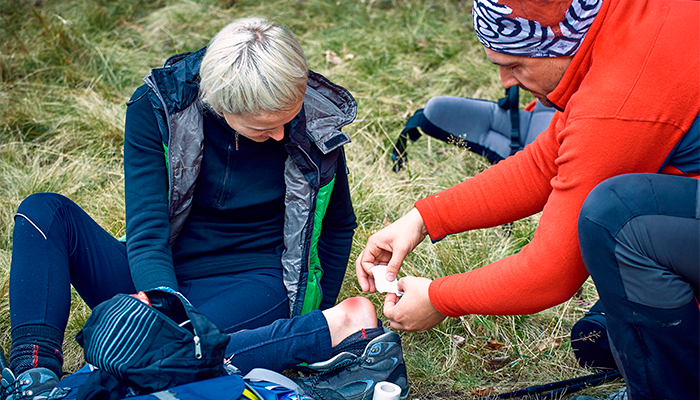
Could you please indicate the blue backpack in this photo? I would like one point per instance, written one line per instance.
(259, 384)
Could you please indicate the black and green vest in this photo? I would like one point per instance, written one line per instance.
(314, 150)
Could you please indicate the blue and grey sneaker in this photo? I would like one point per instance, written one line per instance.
(35, 384)
(620, 395)
(347, 376)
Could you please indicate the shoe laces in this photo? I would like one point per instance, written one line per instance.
(14, 391)
(332, 371)
(8, 390)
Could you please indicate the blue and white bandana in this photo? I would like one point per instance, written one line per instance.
(534, 28)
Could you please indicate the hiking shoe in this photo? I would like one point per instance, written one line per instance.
(347, 376)
(35, 383)
(620, 395)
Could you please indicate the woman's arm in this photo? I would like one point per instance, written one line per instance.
(146, 187)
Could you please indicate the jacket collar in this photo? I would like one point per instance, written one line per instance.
(178, 83)
(327, 108)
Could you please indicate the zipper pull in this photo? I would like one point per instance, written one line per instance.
(197, 348)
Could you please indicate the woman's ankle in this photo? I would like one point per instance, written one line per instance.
(36, 346)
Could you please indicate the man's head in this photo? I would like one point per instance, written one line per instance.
(534, 28)
(538, 76)
(253, 67)
(532, 41)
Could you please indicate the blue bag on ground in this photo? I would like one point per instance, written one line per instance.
(495, 130)
(81, 385)
(157, 346)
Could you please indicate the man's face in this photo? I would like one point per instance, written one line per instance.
(260, 127)
(538, 76)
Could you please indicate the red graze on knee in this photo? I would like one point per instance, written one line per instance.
(355, 304)
(361, 311)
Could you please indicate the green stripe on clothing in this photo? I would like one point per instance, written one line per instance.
(312, 296)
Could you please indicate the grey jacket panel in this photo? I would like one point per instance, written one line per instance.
(184, 169)
(299, 201)
(338, 96)
(184, 158)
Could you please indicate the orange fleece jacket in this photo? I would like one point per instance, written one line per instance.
(630, 93)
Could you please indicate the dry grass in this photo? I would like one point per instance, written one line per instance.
(67, 69)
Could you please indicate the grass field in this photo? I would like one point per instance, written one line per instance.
(67, 69)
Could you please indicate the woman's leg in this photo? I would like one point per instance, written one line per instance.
(308, 338)
(640, 240)
(244, 300)
(55, 243)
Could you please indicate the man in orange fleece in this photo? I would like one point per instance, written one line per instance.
(624, 77)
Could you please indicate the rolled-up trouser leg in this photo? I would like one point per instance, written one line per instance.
(640, 241)
(282, 344)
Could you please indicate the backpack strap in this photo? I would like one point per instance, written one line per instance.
(511, 103)
(410, 131)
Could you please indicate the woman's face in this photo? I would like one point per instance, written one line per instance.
(260, 127)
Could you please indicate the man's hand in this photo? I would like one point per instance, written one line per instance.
(414, 311)
(389, 247)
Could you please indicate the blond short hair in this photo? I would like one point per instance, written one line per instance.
(253, 66)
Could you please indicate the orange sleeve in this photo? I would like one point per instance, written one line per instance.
(554, 174)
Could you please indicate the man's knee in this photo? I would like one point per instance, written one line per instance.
(603, 214)
(599, 203)
(612, 203)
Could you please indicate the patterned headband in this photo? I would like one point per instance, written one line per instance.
(534, 28)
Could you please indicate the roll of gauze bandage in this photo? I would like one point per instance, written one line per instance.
(386, 391)
(382, 284)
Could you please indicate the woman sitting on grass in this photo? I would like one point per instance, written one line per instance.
(251, 231)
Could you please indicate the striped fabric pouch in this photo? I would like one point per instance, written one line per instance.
(153, 346)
